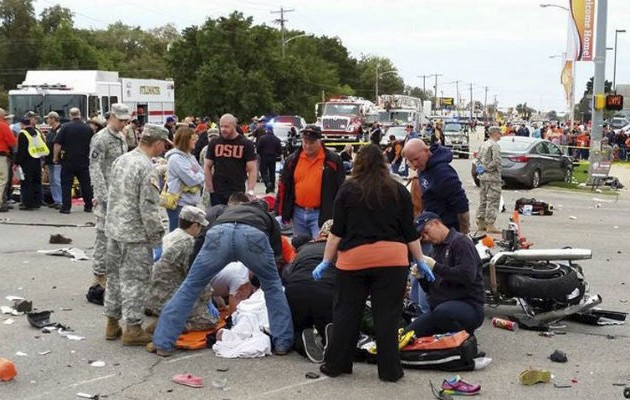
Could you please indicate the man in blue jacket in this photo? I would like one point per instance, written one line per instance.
(442, 191)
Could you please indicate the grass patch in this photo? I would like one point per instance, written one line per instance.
(580, 175)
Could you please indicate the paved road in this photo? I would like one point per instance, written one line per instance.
(598, 356)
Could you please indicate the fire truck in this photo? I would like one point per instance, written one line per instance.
(93, 92)
(398, 110)
(343, 117)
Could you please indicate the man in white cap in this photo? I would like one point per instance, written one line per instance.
(133, 228)
(107, 145)
(74, 141)
(170, 271)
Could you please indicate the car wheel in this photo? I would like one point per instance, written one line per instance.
(568, 175)
(534, 179)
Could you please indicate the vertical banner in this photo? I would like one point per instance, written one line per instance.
(566, 78)
(581, 30)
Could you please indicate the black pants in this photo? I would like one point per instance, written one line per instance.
(82, 172)
(268, 171)
(450, 316)
(8, 190)
(386, 286)
(311, 306)
(31, 186)
(219, 198)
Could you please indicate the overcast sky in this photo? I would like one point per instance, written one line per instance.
(502, 44)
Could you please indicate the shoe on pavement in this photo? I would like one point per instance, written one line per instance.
(100, 280)
(62, 211)
(534, 376)
(59, 239)
(454, 385)
(134, 335)
(314, 352)
(112, 330)
(188, 380)
(162, 353)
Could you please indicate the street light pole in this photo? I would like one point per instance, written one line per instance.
(378, 75)
(598, 84)
(284, 42)
(617, 31)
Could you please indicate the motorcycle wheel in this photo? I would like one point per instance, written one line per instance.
(555, 288)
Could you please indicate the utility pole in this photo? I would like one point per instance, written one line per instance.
(281, 21)
(472, 105)
(598, 84)
(457, 92)
(485, 106)
(424, 82)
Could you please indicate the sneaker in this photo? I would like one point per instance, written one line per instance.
(534, 376)
(59, 239)
(313, 352)
(454, 385)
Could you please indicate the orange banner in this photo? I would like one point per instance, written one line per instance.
(566, 78)
(581, 30)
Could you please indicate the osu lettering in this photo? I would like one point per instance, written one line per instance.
(229, 150)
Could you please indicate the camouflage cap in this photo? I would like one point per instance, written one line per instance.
(155, 131)
(120, 111)
(193, 214)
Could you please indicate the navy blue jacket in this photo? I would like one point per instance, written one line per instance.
(457, 270)
(442, 191)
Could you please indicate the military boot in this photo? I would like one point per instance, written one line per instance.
(134, 335)
(100, 280)
(151, 328)
(113, 330)
(492, 229)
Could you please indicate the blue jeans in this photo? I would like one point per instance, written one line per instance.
(54, 178)
(226, 243)
(450, 316)
(173, 218)
(305, 222)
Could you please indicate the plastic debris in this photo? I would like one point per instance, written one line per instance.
(10, 310)
(88, 396)
(9, 321)
(43, 353)
(220, 383)
(21, 354)
(312, 375)
(97, 363)
(572, 217)
(72, 252)
(13, 298)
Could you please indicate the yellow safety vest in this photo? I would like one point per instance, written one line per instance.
(36, 144)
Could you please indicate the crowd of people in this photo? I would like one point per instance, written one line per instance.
(356, 230)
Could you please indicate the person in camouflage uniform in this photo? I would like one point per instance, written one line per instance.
(489, 171)
(133, 228)
(170, 271)
(107, 145)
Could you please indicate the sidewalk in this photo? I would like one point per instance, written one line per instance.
(621, 172)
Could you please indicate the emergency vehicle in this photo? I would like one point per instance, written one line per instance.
(400, 110)
(343, 117)
(93, 92)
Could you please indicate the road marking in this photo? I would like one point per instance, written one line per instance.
(184, 358)
(292, 386)
(91, 380)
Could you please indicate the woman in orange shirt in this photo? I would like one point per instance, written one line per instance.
(372, 235)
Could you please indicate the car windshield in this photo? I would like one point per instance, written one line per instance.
(510, 144)
(341, 109)
(400, 116)
(62, 103)
(452, 128)
(281, 131)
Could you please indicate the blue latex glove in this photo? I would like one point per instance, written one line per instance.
(319, 270)
(425, 270)
(480, 169)
(157, 253)
(213, 310)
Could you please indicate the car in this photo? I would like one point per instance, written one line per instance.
(530, 161)
(618, 123)
(456, 139)
(295, 120)
(398, 131)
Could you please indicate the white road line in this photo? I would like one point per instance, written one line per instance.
(184, 358)
(91, 380)
(309, 382)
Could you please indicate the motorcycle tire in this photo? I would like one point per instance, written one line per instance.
(554, 288)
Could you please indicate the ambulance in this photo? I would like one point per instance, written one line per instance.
(93, 92)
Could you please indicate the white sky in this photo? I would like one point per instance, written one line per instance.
(502, 44)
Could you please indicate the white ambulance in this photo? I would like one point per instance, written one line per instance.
(93, 92)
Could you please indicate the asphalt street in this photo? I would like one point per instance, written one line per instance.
(598, 357)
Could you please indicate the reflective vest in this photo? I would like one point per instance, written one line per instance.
(36, 144)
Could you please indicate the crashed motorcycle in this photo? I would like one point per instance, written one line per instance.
(547, 284)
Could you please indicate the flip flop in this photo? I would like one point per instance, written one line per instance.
(188, 380)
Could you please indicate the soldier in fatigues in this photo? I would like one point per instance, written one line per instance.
(133, 228)
(107, 145)
(170, 271)
(489, 171)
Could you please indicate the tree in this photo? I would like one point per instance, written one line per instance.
(19, 40)
(389, 82)
(419, 93)
(54, 17)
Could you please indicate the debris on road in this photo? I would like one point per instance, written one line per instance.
(59, 239)
(558, 356)
(96, 363)
(22, 305)
(10, 310)
(72, 252)
(189, 380)
(21, 354)
(534, 376)
(7, 370)
(9, 321)
(43, 353)
(88, 396)
(312, 375)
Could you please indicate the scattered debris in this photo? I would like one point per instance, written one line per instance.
(88, 396)
(9, 321)
(43, 353)
(534, 376)
(97, 363)
(223, 369)
(546, 334)
(558, 356)
(22, 305)
(562, 385)
(13, 298)
(572, 217)
(189, 380)
(574, 380)
(220, 384)
(65, 309)
(21, 354)
(619, 384)
(59, 239)
(10, 310)
(7, 370)
(72, 252)
(312, 375)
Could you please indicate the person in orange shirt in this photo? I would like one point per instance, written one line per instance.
(308, 184)
(7, 141)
